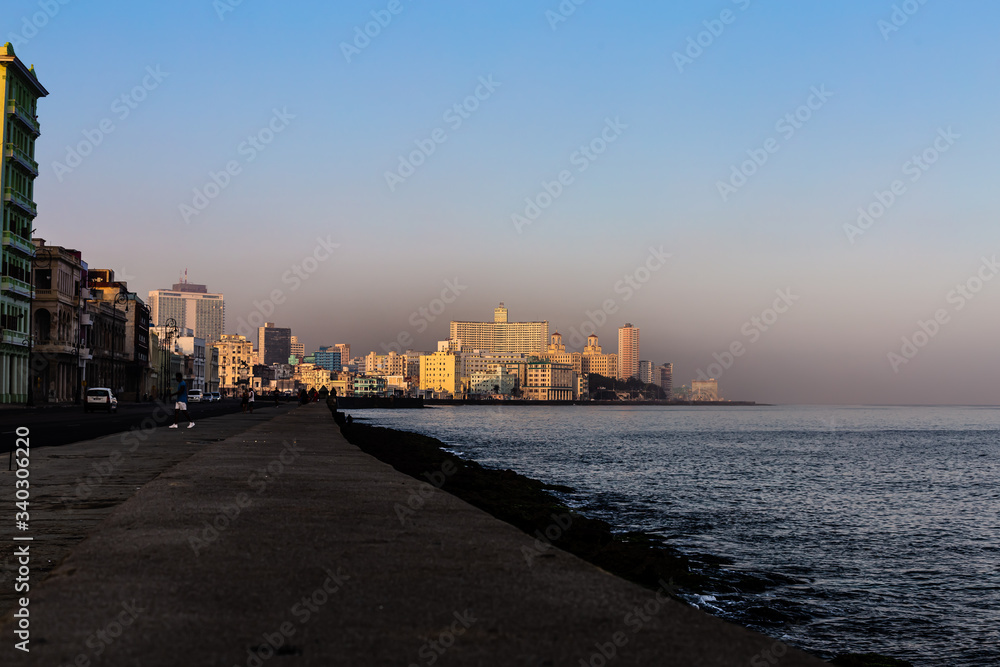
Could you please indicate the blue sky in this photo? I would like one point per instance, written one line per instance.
(344, 124)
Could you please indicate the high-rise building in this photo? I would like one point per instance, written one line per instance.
(501, 335)
(646, 372)
(345, 352)
(192, 307)
(18, 170)
(274, 344)
(628, 352)
(328, 358)
(667, 379)
(298, 349)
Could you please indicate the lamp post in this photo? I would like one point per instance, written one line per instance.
(121, 297)
(169, 329)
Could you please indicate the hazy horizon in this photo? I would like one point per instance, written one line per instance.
(826, 109)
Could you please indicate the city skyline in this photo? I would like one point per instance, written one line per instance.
(798, 197)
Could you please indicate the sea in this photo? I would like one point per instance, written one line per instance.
(868, 528)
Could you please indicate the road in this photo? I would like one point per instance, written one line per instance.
(53, 426)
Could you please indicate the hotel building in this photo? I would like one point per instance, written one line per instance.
(595, 361)
(501, 335)
(192, 307)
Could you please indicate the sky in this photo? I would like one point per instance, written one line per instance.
(794, 198)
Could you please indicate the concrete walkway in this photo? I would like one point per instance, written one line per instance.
(283, 544)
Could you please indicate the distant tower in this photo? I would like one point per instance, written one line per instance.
(628, 352)
(500, 313)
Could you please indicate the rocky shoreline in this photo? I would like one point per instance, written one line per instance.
(532, 506)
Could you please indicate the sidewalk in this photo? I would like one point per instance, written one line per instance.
(283, 544)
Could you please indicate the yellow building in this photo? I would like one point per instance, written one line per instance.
(556, 352)
(311, 376)
(500, 335)
(594, 361)
(236, 360)
(549, 381)
(441, 372)
(385, 364)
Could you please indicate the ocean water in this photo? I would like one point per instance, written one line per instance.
(870, 528)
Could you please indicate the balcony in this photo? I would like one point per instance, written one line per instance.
(22, 114)
(18, 199)
(12, 240)
(14, 286)
(14, 153)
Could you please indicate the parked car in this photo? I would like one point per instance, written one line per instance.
(195, 396)
(101, 398)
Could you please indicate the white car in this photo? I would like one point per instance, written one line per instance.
(214, 397)
(194, 396)
(101, 398)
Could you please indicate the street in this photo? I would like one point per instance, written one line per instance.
(52, 426)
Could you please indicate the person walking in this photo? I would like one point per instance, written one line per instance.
(181, 406)
(251, 400)
(244, 400)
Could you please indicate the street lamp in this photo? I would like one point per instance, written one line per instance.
(169, 329)
(121, 297)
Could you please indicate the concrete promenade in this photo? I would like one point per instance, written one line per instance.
(269, 540)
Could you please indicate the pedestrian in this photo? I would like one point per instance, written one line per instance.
(276, 397)
(181, 406)
(251, 400)
(244, 400)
